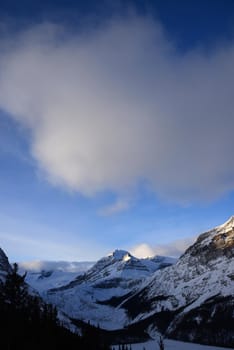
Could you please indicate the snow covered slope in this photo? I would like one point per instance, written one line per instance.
(96, 295)
(45, 280)
(44, 275)
(205, 270)
(170, 345)
(196, 293)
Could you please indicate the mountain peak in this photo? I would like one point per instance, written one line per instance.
(214, 244)
(228, 225)
(120, 254)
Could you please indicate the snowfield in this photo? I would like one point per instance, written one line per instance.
(87, 297)
(170, 345)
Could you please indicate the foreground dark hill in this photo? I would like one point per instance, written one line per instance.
(26, 322)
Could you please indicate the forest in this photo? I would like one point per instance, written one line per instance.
(27, 322)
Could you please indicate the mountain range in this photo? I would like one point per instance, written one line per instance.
(190, 299)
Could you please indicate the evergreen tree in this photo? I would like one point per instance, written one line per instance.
(29, 323)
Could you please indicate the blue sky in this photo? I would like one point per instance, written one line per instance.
(116, 124)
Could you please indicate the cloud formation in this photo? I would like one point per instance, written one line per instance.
(121, 204)
(64, 266)
(112, 106)
(173, 249)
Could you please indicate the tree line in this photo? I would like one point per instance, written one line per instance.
(26, 322)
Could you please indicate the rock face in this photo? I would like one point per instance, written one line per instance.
(5, 267)
(209, 323)
(215, 243)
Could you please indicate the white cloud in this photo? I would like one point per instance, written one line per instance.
(65, 266)
(110, 107)
(142, 250)
(173, 249)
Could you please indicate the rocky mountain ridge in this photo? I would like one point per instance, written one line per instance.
(195, 294)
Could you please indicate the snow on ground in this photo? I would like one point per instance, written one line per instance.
(43, 281)
(171, 345)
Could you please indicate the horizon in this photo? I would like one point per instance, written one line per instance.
(115, 126)
(75, 266)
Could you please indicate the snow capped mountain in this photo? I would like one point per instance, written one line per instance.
(191, 299)
(96, 295)
(197, 289)
(123, 292)
(121, 264)
(203, 271)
